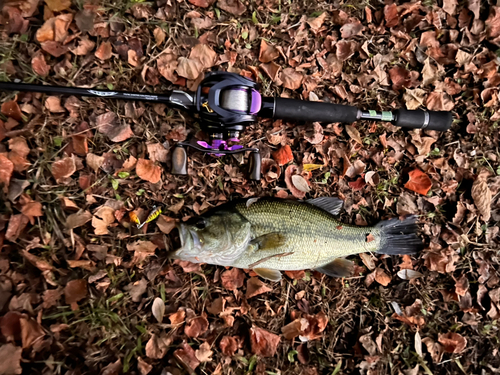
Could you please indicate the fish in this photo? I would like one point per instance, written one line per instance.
(270, 235)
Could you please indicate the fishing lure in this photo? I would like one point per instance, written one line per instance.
(152, 216)
(133, 216)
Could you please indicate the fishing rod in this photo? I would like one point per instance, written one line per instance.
(226, 103)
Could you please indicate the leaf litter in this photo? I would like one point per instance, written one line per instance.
(112, 273)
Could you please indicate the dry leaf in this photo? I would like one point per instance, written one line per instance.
(39, 263)
(204, 354)
(283, 155)
(17, 223)
(481, 194)
(345, 49)
(233, 279)
(418, 182)
(351, 29)
(263, 343)
(450, 6)
(104, 52)
(228, 346)
(381, 277)
(58, 5)
(204, 54)
(148, 170)
(75, 290)
(291, 79)
(187, 357)
(147, 247)
(435, 349)
(11, 359)
(31, 331)
(188, 68)
(84, 20)
(289, 172)
(202, 3)
(414, 98)
(317, 22)
(85, 45)
(439, 101)
(6, 170)
(196, 327)
(94, 161)
(63, 169)
(232, 6)
(271, 69)
(453, 342)
(39, 64)
(354, 134)
(137, 289)
(157, 347)
(300, 183)
(143, 367)
(53, 104)
(159, 35)
(165, 224)
(391, 15)
(255, 287)
(157, 152)
(267, 52)
(167, 65)
(158, 309)
(11, 109)
(355, 169)
(462, 286)
(442, 261)
(108, 125)
(78, 219)
(178, 317)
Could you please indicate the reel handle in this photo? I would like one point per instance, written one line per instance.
(179, 160)
(254, 165)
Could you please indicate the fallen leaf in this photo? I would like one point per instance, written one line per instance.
(148, 170)
(84, 46)
(178, 317)
(196, 327)
(355, 169)
(188, 266)
(58, 5)
(32, 209)
(233, 279)
(414, 98)
(442, 261)
(158, 309)
(202, 3)
(31, 331)
(103, 217)
(450, 6)
(51, 297)
(295, 329)
(78, 219)
(493, 21)
(255, 287)
(381, 277)
(63, 169)
(368, 344)
(6, 170)
(351, 29)
(291, 79)
(462, 286)
(300, 183)
(391, 15)
(289, 172)
(165, 224)
(400, 77)
(271, 69)
(407, 274)
(84, 20)
(204, 353)
(315, 135)
(372, 178)
(267, 52)
(137, 289)
(204, 54)
(108, 125)
(157, 152)
(228, 346)
(53, 104)
(13, 20)
(354, 134)
(263, 343)
(159, 35)
(104, 52)
(453, 342)
(75, 290)
(481, 194)
(133, 58)
(46, 32)
(39, 65)
(439, 101)
(11, 109)
(143, 367)
(474, 6)
(157, 346)
(435, 349)
(283, 155)
(61, 26)
(187, 357)
(188, 68)
(418, 182)
(345, 49)
(315, 23)
(94, 161)
(17, 223)
(232, 6)
(11, 359)
(167, 65)
(142, 247)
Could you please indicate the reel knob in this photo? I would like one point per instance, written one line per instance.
(179, 160)
(254, 165)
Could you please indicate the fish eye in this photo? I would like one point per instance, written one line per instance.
(201, 224)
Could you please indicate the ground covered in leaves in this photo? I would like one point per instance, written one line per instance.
(83, 291)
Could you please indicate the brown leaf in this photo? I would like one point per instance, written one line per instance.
(158, 309)
(355, 169)
(178, 317)
(196, 327)
(481, 194)
(255, 287)
(188, 266)
(19, 150)
(13, 20)
(435, 349)
(289, 172)
(165, 224)
(381, 277)
(202, 3)
(147, 247)
(300, 183)
(474, 6)
(315, 135)
(157, 347)
(187, 357)
(439, 101)
(493, 21)
(453, 342)
(137, 289)
(232, 6)
(283, 155)
(233, 279)
(85, 45)
(17, 223)
(189, 68)
(159, 35)
(103, 217)
(462, 285)
(450, 6)
(354, 134)
(414, 98)
(32, 209)
(63, 169)
(104, 52)
(148, 170)
(418, 182)
(167, 65)
(351, 29)
(94, 161)
(11, 109)
(228, 346)
(84, 20)
(263, 343)
(204, 354)
(271, 69)
(61, 26)
(143, 367)
(291, 79)
(441, 261)
(6, 170)
(54, 48)
(75, 290)
(11, 359)
(46, 32)
(78, 219)
(270, 170)
(267, 52)
(391, 15)
(108, 125)
(31, 331)
(204, 54)
(315, 23)
(58, 5)
(53, 104)
(400, 77)
(157, 152)
(39, 65)
(345, 49)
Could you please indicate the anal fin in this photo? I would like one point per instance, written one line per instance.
(339, 267)
(268, 273)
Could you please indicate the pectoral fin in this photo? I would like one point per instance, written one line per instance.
(268, 273)
(269, 241)
(340, 267)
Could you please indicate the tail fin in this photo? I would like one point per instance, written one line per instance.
(398, 237)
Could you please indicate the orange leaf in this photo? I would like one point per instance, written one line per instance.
(11, 109)
(291, 79)
(381, 277)
(419, 182)
(255, 287)
(391, 15)
(147, 170)
(56, 49)
(453, 342)
(267, 52)
(104, 52)
(39, 65)
(228, 345)
(187, 357)
(196, 327)
(63, 169)
(283, 155)
(75, 291)
(58, 5)
(6, 170)
(232, 279)
(263, 343)
(17, 223)
(53, 104)
(108, 124)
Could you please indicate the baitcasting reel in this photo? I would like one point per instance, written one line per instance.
(226, 103)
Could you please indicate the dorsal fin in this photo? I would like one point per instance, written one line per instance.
(329, 204)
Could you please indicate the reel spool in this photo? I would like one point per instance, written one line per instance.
(226, 103)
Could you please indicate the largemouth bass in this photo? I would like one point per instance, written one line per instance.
(270, 235)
